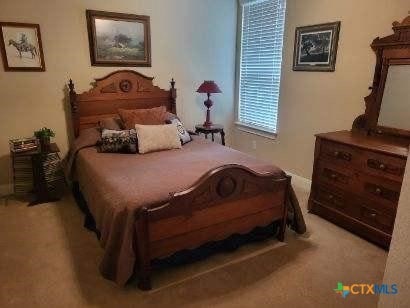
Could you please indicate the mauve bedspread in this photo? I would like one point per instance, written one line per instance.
(115, 186)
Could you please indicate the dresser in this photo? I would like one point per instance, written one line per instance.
(356, 182)
(358, 174)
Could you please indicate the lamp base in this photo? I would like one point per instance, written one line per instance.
(208, 122)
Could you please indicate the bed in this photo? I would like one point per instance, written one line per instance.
(151, 206)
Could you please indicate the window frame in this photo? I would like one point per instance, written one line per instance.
(260, 131)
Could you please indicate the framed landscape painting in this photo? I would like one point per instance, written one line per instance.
(20, 46)
(119, 39)
(316, 47)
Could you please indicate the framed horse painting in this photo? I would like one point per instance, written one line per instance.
(20, 46)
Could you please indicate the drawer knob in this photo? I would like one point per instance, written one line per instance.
(333, 176)
(378, 191)
(331, 197)
(373, 215)
(382, 166)
(336, 153)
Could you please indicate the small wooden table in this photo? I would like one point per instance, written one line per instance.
(49, 181)
(47, 177)
(213, 129)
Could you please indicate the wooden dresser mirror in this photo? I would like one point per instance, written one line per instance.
(388, 105)
(358, 174)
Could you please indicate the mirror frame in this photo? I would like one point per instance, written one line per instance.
(390, 50)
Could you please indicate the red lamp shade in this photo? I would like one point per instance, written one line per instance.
(209, 86)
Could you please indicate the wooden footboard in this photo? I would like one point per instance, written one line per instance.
(227, 200)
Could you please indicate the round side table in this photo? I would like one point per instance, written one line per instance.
(212, 130)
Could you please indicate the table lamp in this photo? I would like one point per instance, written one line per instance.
(208, 87)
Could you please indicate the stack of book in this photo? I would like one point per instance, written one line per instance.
(21, 150)
(23, 174)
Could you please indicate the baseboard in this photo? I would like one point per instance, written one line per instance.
(300, 182)
(5, 189)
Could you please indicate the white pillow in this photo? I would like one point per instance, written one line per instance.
(153, 138)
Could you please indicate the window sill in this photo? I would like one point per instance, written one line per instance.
(255, 131)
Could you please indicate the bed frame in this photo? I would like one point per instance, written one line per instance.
(227, 200)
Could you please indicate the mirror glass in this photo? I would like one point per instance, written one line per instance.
(395, 107)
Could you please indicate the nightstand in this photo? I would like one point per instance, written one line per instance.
(48, 176)
(40, 172)
(212, 130)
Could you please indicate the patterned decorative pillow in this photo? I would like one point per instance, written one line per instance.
(184, 136)
(118, 141)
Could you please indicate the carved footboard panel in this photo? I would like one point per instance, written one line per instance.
(227, 200)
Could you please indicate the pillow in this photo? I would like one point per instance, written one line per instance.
(184, 136)
(114, 141)
(153, 116)
(110, 123)
(169, 116)
(157, 137)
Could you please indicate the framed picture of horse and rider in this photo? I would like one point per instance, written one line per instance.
(316, 47)
(20, 46)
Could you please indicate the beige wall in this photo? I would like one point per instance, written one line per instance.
(398, 261)
(313, 102)
(192, 40)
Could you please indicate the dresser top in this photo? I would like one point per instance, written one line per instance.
(374, 143)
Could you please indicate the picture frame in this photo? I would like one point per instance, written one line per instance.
(21, 47)
(316, 47)
(118, 39)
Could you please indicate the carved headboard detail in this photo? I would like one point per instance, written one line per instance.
(125, 89)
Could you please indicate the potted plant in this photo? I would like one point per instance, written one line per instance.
(44, 136)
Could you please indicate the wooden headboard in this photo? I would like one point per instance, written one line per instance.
(125, 89)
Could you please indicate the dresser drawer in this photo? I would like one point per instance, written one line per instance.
(357, 226)
(376, 219)
(380, 190)
(336, 199)
(338, 153)
(328, 173)
(390, 167)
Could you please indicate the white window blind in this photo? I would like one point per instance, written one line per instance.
(260, 63)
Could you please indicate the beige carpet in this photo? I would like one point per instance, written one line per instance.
(47, 259)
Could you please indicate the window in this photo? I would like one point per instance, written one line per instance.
(260, 57)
